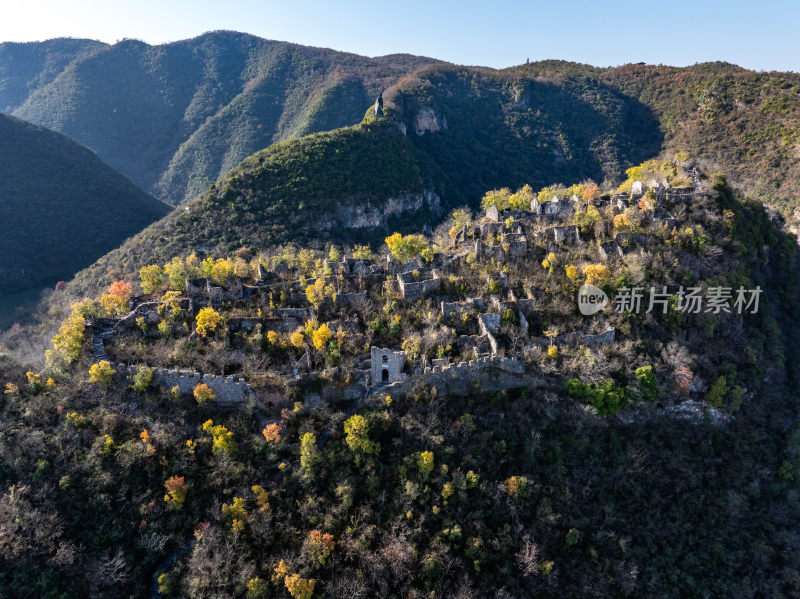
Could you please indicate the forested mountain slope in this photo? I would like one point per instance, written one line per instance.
(61, 207)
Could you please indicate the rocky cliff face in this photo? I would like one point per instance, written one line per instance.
(354, 215)
(427, 120)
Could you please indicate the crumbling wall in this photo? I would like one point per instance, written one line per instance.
(231, 391)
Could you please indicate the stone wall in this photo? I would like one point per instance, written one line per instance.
(485, 374)
(231, 391)
(413, 290)
(603, 338)
(450, 308)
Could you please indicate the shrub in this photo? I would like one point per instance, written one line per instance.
(647, 383)
(716, 393)
(552, 352)
(606, 397)
(101, 373)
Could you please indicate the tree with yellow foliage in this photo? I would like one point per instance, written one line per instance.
(320, 546)
(497, 198)
(516, 486)
(596, 273)
(590, 193)
(297, 339)
(203, 393)
(309, 454)
(235, 514)
(68, 343)
(622, 222)
(115, 300)
(179, 269)
(317, 291)
(356, 436)
(171, 303)
(298, 587)
(572, 272)
(521, 199)
(221, 437)
(262, 498)
(207, 321)
(221, 271)
(425, 463)
(320, 336)
(102, 373)
(406, 247)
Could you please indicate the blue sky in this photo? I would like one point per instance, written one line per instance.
(758, 35)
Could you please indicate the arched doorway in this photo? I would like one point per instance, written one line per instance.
(385, 375)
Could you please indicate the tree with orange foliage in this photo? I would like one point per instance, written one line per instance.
(320, 546)
(591, 193)
(176, 492)
(272, 433)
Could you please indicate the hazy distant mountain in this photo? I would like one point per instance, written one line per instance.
(61, 207)
(173, 118)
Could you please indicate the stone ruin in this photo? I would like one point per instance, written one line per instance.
(203, 292)
(412, 289)
(386, 365)
(230, 391)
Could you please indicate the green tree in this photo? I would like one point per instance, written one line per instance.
(151, 278)
(309, 454)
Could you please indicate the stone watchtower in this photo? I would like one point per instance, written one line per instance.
(387, 365)
(379, 106)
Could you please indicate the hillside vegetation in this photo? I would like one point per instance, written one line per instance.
(478, 130)
(61, 207)
(174, 117)
(663, 462)
(745, 122)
